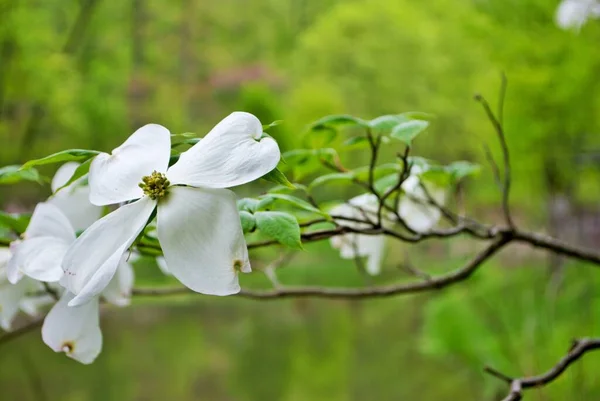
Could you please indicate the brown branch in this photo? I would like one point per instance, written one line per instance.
(11, 335)
(435, 283)
(557, 246)
(517, 385)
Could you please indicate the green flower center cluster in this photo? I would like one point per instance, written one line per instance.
(155, 185)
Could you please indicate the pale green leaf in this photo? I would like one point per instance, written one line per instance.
(282, 227)
(80, 171)
(248, 221)
(294, 201)
(407, 131)
(277, 177)
(247, 204)
(330, 178)
(70, 155)
(14, 174)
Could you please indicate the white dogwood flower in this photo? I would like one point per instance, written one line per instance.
(74, 330)
(573, 14)
(353, 245)
(415, 207)
(12, 295)
(40, 254)
(198, 224)
(73, 200)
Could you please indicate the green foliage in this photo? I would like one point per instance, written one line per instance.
(290, 200)
(81, 171)
(15, 174)
(407, 131)
(15, 222)
(248, 221)
(280, 226)
(70, 155)
(277, 177)
(327, 179)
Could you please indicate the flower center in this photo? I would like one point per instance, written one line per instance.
(155, 185)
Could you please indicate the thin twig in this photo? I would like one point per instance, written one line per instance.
(495, 169)
(436, 283)
(12, 335)
(505, 156)
(517, 385)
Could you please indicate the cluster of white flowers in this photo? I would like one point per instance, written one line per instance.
(197, 225)
(415, 209)
(573, 14)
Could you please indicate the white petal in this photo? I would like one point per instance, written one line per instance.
(48, 221)
(9, 263)
(572, 14)
(162, 265)
(353, 245)
(118, 290)
(10, 298)
(233, 153)
(63, 175)
(415, 208)
(74, 330)
(5, 256)
(115, 178)
(74, 202)
(91, 262)
(376, 245)
(32, 305)
(41, 258)
(361, 207)
(201, 237)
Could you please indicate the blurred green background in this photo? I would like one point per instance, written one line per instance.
(87, 73)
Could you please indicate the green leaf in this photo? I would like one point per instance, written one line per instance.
(282, 227)
(418, 115)
(80, 171)
(305, 161)
(357, 141)
(273, 124)
(407, 131)
(327, 154)
(329, 178)
(264, 202)
(248, 221)
(386, 182)
(462, 169)
(336, 121)
(437, 175)
(188, 141)
(383, 125)
(282, 189)
(362, 173)
(277, 177)
(14, 174)
(294, 201)
(247, 204)
(16, 222)
(420, 162)
(324, 131)
(185, 135)
(70, 155)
